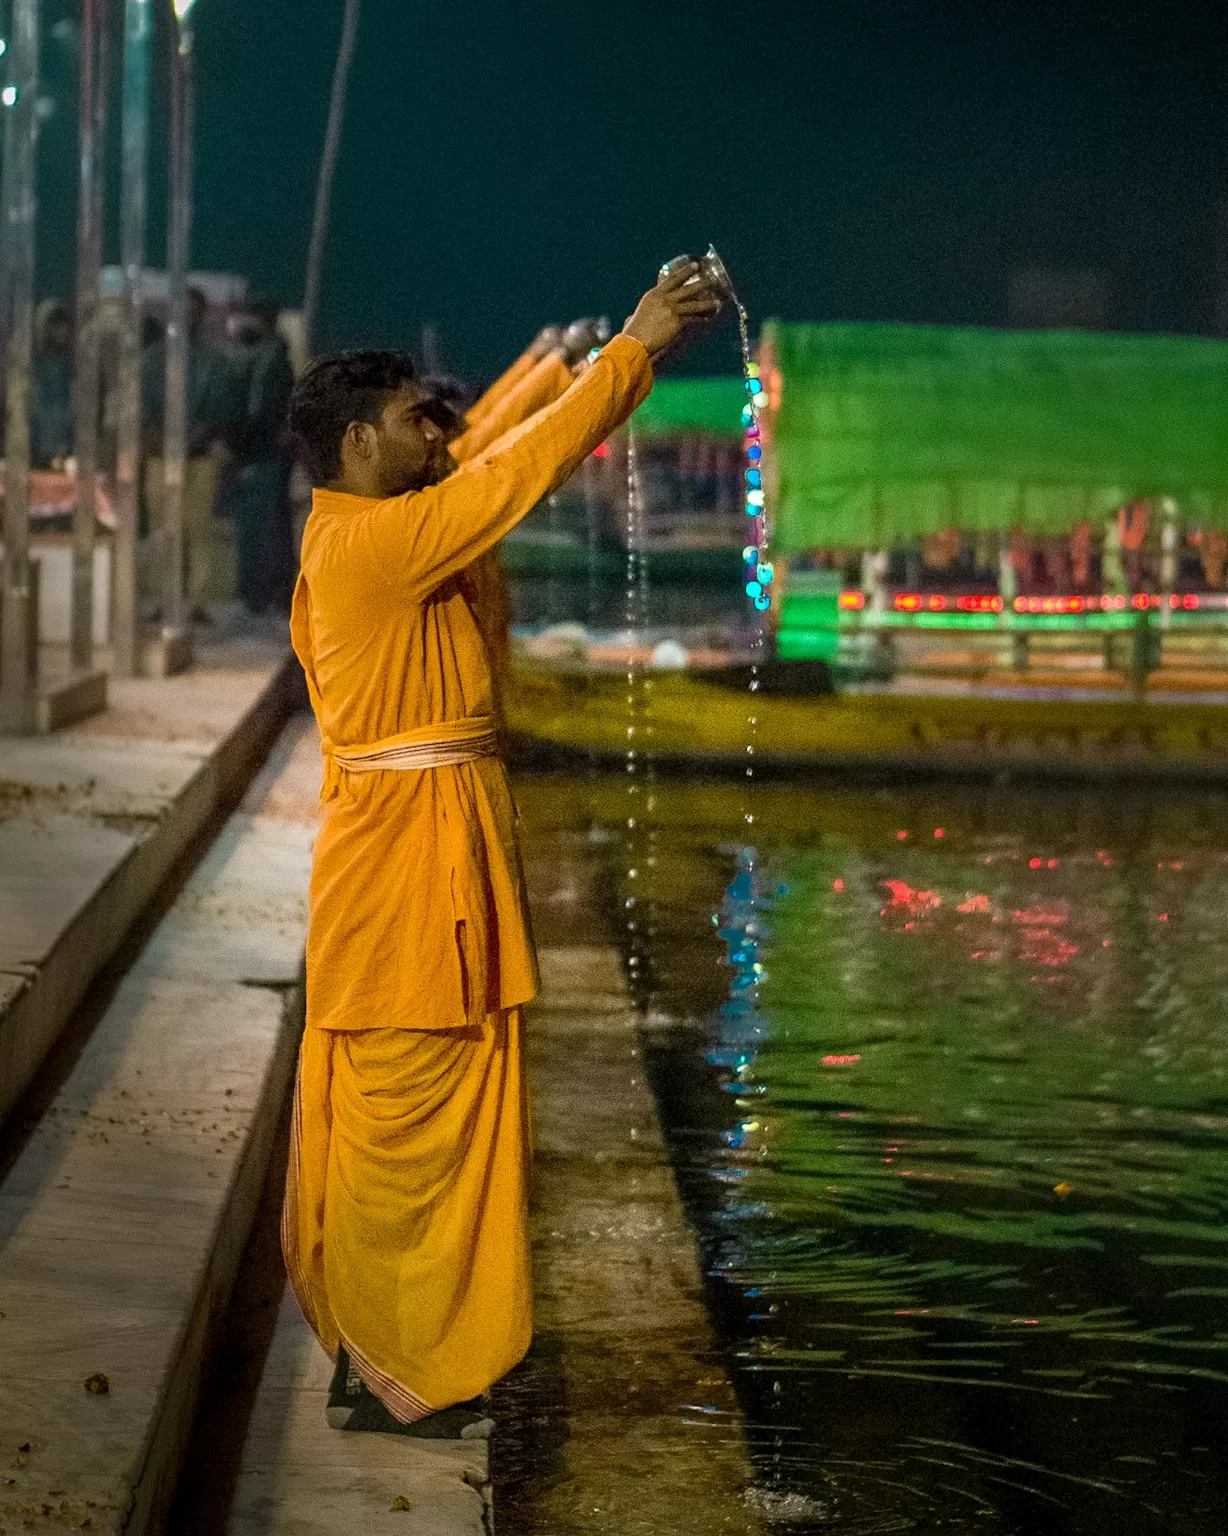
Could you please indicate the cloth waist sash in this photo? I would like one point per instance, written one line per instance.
(444, 744)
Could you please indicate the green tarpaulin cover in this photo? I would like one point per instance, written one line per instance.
(711, 406)
(889, 432)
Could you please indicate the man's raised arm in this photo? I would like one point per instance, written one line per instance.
(421, 539)
(453, 523)
(546, 340)
(545, 383)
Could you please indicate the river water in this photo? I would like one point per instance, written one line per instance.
(945, 1072)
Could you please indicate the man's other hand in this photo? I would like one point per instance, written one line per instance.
(579, 339)
(669, 308)
(546, 341)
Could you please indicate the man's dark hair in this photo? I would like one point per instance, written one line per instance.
(448, 400)
(331, 393)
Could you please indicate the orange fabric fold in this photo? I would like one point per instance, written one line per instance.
(445, 745)
(405, 1223)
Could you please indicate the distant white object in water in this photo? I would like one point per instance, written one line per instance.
(560, 642)
(575, 632)
(669, 656)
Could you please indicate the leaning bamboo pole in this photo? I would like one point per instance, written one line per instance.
(328, 167)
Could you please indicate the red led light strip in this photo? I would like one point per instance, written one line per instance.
(939, 602)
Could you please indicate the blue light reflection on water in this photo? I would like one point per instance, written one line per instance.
(960, 1164)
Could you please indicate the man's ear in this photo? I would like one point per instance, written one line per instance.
(360, 439)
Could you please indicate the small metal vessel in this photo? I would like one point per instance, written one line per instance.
(712, 271)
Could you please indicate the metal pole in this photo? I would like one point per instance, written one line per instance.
(92, 127)
(328, 166)
(133, 190)
(175, 433)
(18, 656)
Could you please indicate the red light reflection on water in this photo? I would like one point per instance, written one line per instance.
(909, 901)
(1044, 935)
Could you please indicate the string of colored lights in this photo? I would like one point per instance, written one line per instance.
(759, 570)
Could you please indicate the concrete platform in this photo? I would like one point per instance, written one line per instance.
(297, 1477)
(126, 1202)
(93, 819)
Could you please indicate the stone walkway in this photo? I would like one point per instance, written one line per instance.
(623, 1421)
(127, 1188)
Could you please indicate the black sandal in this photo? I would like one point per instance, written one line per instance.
(353, 1406)
(345, 1392)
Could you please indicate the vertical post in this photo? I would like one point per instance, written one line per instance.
(92, 123)
(133, 191)
(328, 165)
(1169, 563)
(18, 636)
(430, 347)
(179, 236)
(873, 572)
(1015, 653)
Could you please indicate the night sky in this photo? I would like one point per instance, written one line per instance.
(506, 163)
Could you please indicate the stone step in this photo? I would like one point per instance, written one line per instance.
(94, 819)
(125, 1207)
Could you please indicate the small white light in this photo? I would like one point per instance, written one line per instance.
(4, 47)
(182, 7)
(9, 95)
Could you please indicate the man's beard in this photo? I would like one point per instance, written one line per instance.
(438, 469)
(441, 467)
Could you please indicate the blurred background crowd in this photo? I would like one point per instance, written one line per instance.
(238, 502)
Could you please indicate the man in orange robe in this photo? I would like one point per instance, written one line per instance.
(404, 1227)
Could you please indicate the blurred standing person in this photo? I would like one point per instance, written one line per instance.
(214, 413)
(51, 426)
(258, 494)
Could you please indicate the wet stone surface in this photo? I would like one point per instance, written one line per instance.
(622, 1419)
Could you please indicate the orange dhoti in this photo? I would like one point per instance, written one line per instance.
(405, 1226)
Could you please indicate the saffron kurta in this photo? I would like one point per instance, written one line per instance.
(404, 1227)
